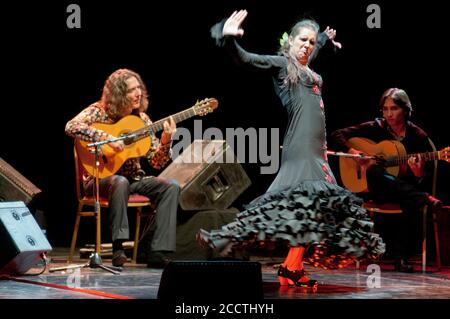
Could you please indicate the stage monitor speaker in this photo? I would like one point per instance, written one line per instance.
(14, 186)
(21, 239)
(209, 174)
(221, 280)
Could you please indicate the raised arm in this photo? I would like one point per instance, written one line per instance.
(323, 37)
(227, 31)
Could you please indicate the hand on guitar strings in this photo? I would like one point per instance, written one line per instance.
(362, 160)
(117, 146)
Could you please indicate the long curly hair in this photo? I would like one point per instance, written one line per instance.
(114, 97)
(295, 70)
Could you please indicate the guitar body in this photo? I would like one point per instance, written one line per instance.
(111, 161)
(353, 175)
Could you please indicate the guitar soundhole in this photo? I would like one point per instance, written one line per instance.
(128, 141)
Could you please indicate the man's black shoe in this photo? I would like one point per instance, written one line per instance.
(119, 258)
(158, 259)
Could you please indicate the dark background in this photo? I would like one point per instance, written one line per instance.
(51, 72)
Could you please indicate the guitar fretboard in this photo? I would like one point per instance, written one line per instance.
(402, 159)
(178, 117)
(159, 125)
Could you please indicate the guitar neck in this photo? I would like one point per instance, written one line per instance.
(177, 117)
(159, 125)
(402, 159)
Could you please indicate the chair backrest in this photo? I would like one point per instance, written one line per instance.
(435, 169)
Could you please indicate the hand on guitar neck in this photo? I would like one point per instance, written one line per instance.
(417, 165)
(389, 153)
(135, 138)
(170, 127)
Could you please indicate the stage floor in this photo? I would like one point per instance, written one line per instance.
(139, 282)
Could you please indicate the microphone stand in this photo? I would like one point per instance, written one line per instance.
(342, 154)
(95, 261)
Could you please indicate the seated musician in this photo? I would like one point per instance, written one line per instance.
(124, 93)
(407, 189)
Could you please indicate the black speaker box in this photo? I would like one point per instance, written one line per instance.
(221, 280)
(21, 239)
(188, 249)
(14, 186)
(209, 174)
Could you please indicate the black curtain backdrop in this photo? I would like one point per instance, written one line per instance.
(52, 72)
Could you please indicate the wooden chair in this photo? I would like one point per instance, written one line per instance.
(136, 201)
(394, 208)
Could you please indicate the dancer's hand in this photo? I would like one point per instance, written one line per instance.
(232, 26)
(331, 33)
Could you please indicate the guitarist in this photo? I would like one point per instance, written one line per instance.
(406, 190)
(124, 93)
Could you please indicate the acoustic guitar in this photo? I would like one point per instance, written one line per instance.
(136, 137)
(390, 153)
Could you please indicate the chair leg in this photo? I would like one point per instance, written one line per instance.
(136, 236)
(436, 240)
(74, 235)
(424, 240)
